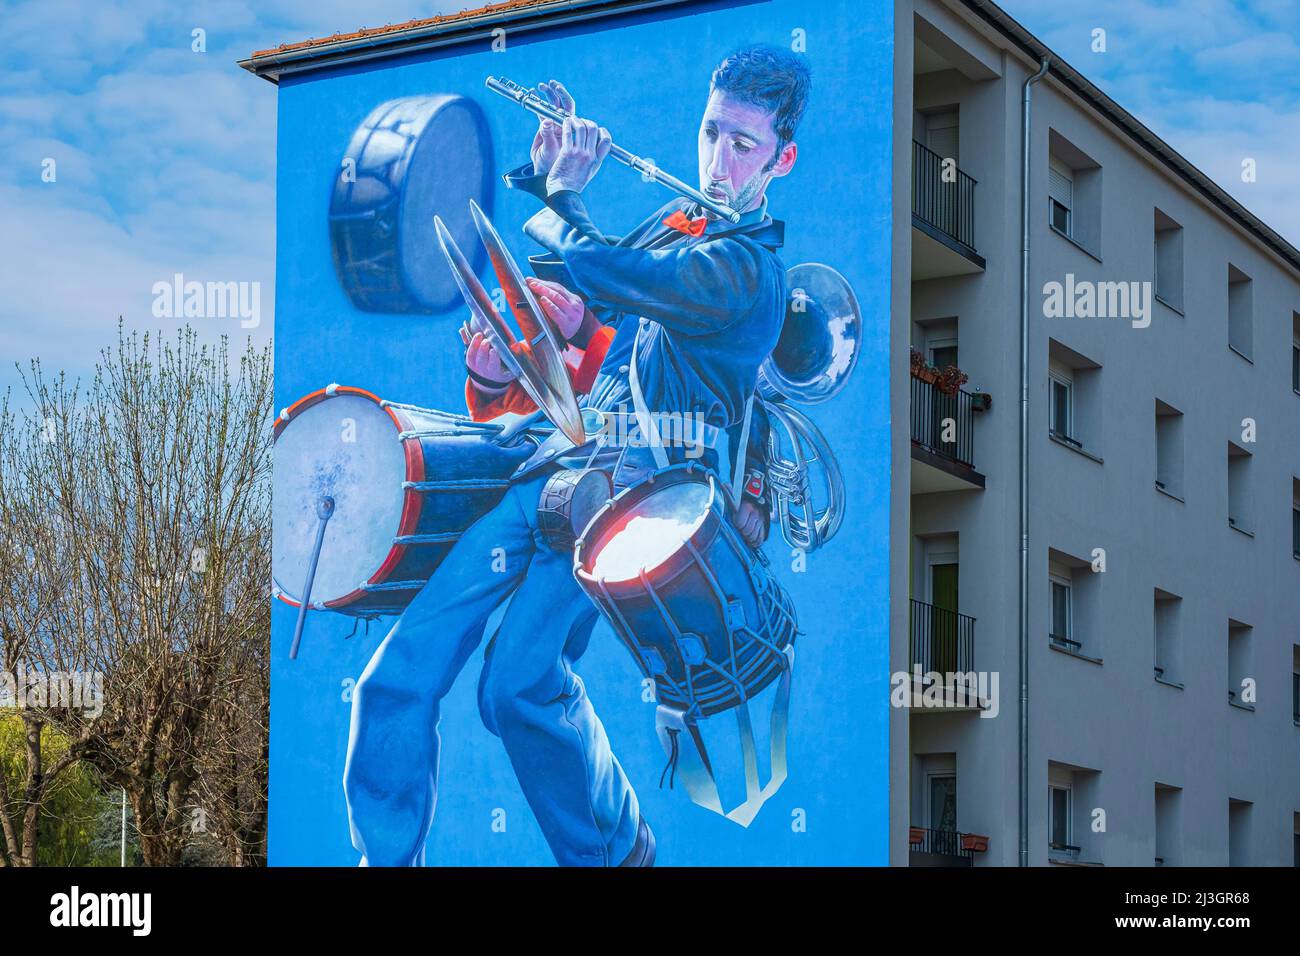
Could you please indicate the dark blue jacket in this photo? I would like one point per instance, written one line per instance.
(714, 304)
(705, 311)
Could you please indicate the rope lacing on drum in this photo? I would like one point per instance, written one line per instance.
(670, 770)
(368, 618)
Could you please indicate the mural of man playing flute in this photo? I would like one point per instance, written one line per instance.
(673, 318)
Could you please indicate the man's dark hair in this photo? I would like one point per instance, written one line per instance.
(771, 78)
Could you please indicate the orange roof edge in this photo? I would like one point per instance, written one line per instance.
(492, 8)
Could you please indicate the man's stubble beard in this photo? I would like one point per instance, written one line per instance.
(744, 199)
(748, 192)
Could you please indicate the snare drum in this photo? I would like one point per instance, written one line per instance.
(695, 605)
(405, 482)
(702, 615)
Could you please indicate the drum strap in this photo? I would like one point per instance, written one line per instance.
(649, 431)
(690, 760)
(742, 452)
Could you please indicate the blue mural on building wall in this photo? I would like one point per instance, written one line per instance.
(538, 464)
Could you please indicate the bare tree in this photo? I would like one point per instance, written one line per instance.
(155, 487)
(32, 582)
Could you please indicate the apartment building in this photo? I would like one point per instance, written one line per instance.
(1152, 583)
(1161, 722)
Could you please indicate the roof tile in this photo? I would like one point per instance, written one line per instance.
(364, 32)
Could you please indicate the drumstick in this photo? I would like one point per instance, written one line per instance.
(324, 509)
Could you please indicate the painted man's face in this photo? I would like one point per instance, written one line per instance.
(738, 154)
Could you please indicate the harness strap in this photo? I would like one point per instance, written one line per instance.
(692, 763)
(742, 452)
(649, 431)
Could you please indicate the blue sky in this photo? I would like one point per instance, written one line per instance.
(165, 157)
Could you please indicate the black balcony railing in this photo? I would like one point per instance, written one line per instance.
(940, 843)
(942, 640)
(946, 202)
(944, 423)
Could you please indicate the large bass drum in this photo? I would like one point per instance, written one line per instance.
(405, 482)
(702, 615)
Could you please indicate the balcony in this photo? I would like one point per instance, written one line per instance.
(936, 847)
(941, 640)
(942, 644)
(943, 436)
(943, 218)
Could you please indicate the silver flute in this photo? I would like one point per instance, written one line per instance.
(535, 104)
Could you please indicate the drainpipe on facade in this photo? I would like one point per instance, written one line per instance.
(1024, 460)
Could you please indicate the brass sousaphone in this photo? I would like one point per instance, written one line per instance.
(811, 363)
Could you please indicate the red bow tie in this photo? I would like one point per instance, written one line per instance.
(691, 227)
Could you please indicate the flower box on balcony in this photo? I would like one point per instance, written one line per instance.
(916, 835)
(975, 842)
(948, 379)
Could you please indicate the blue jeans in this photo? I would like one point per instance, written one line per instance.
(529, 696)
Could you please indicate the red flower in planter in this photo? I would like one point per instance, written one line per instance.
(951, 379)
(947, 380)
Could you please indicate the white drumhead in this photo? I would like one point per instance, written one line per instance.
(653, 531)
(345, 447)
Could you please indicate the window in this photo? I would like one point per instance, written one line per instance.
(1169, 825)
(942, 128)
(1061, 824)
(1073, 605)
(1074, 398)
(1168, 644)
(1241, 682)
(1072, 794)
(1295, 517)
(1295, 352)
(1295, 683)
(1239, 832)
(1240, 312)
(944, 354)
(938, 340)
(1074, 193)
(934, 801)
(1169, 449)
(937, 637)
(1062, 407)
(943, 801)
(1240, 502)
(1060, 197)
(1169, 261)
(1062, 619)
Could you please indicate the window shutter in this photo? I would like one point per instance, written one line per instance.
(941, 134)
(1060, 187)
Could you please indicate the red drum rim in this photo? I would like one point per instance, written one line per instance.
(598, 531)
(411, 501)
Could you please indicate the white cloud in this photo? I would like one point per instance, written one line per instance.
(166, 157)
(165, 160)
(1216, 79)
